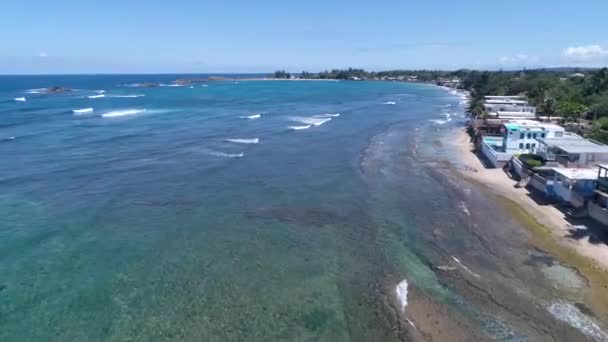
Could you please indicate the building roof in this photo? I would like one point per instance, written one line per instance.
(603, 166)
(577, 174)
(519, 124)
(497, 97)
(573, 143)
(505, 101)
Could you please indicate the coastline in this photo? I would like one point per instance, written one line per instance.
(549, 226)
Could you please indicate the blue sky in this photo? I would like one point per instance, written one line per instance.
(62, 36)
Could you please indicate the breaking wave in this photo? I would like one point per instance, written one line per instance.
(314, 121)
(297, 128)
(328, 115)
(244, 141)
(117, 113)
(226, 155)
(127, 96)
(570, 314)
(82, 111)
(35, 91)
(390, 103)
(19, 99)
(251, 117)
(96, 96)
(401, 291)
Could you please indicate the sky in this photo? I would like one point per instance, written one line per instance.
(155, 36)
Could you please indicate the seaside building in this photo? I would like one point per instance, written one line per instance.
(571, 150)
(574, 186)
(517, 137)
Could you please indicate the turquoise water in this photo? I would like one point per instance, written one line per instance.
(249, 210)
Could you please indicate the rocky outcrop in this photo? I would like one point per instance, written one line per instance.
(56, 89)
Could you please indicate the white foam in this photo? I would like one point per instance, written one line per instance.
(251, 117)
(441, 122)
(401, 291)
(96, 96)
(35, 91)
(124, 112)
(82, 111)
(390, 103)
(464, 267)
(328, 115)
(101, 91)
(226, 155)
(315, 121)
(297, 128)
(19, 99)
(173, 85)
(570, 314)
(205, 85)
(128, 96)
(244, 141)
(464, 208)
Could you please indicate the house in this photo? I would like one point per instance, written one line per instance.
(571, 150)
(597, 207)
(494, 105)
(520, 136)
(517, 137)
(574, 186)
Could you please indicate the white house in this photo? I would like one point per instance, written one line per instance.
(520, 135)
(572, 150)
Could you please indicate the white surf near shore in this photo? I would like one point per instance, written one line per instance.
(124, 112)
(82, 110)
(390, 103)
(401, 291)
(328, 115)
(35, 91)
(19, 99)
(570, 314)
(252, 117)
(244, 141)
(96, 96)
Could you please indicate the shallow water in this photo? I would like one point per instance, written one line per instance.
(157, 217)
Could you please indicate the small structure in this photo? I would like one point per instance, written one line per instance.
(508, 104)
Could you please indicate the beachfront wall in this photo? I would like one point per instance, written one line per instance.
(542, 184)
(597, 213)
(495, 158)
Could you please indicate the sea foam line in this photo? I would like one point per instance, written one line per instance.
(315, 121)
(244, 141)
(117, 113)
(390, 103)
(570, 314)
(96, 96)
(251, 117)
(20, 99)
(298, 128)
(82, 111)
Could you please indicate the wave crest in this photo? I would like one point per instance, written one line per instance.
(244, 141)
(124, 112)
(82, 111)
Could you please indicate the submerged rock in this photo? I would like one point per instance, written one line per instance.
(56, 89)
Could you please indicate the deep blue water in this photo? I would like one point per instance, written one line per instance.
(248, 210)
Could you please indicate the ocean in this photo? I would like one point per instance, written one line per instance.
(246, 210)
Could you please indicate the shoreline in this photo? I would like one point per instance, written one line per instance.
(548, 225)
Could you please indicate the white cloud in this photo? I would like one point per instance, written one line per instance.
(586, 53)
